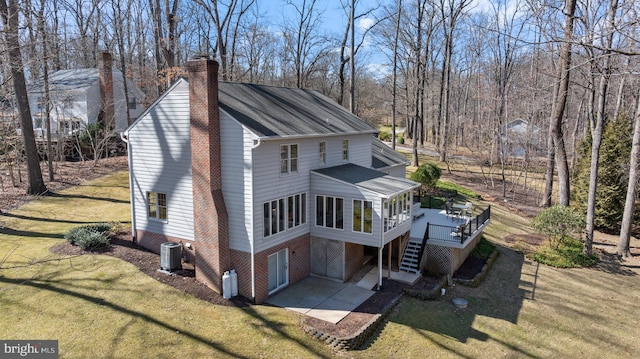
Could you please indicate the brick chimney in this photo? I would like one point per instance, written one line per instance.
(105, 76)
(211, 223)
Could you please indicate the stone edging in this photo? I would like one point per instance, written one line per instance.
(430, 294)
(475, 281)
(358, 339)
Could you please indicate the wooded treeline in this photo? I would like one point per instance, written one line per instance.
(452, 73)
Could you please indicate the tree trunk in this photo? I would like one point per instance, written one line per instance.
(564, 68)
(352, 62)
(395, 77)
(596, 134)
(632, 189)
(9, 13)
(47, 97)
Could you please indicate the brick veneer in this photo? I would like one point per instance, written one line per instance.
(211, 222)
(105, 79)
(299, 266)
(152, 241)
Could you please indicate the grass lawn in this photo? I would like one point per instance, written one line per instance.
(102, 307)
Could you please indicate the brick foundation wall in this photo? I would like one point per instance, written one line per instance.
(152, 242)
(299, 266)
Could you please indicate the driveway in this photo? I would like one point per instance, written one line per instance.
(321, 298)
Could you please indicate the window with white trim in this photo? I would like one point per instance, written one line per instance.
(288, 159)
(396, 210)
(329, 212)
(362, 216)
(157, 205)
(345, 150)
(284, 213)
(322, 153)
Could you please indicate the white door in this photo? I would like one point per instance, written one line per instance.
(278, 270)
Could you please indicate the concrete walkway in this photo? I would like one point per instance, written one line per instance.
(321, 298)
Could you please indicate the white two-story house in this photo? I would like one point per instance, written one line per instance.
(276, 183)
(80, 97)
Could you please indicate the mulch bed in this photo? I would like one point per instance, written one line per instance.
(470, 268)
(184, 280)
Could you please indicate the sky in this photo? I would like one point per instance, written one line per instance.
(334, 21)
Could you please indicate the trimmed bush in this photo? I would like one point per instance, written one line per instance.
(90, 237)
(384, 136)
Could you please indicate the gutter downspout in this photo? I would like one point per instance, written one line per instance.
(256, 144)
(125, 138)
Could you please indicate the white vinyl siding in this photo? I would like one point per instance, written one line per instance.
(269, 184)
(161, 162)
(237, 182)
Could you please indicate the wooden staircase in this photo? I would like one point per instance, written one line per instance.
(411, 257)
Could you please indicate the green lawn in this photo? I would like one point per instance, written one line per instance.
(101, 307)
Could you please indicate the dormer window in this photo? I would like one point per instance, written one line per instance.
(288, 159)
(345, 150)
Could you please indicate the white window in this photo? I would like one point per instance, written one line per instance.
(288, 159)
(157, 205)
(362, 216)
(278, 270)
(345, 150)
(67, 103)
(396, 210)
(284, 213)
(323, 153)
(329, 212)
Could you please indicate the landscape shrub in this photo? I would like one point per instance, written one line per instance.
(384, 136)
(558, 223)
(90, 237)
(568, 254)
(400, 140)
(427, 175)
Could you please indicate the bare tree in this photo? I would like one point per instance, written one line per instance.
(450, 11)
(10, 12)
(559, 154)
(305, 46)
(226, 17)
(596, 130)
(395, 75)
(632, 188)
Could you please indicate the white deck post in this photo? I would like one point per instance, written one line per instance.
(380, 267)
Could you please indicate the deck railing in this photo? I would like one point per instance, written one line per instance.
(457, 234)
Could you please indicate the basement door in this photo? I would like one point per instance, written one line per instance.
(278, 270)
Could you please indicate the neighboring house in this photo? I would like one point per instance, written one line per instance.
(520, 138)
(81, 97)
(276, 183)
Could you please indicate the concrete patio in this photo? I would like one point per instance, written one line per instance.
(321, 298)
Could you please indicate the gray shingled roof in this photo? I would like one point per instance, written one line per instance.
(67, 80)
(272, 111)
(77, 80)
(368, 179)
(384, 156)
